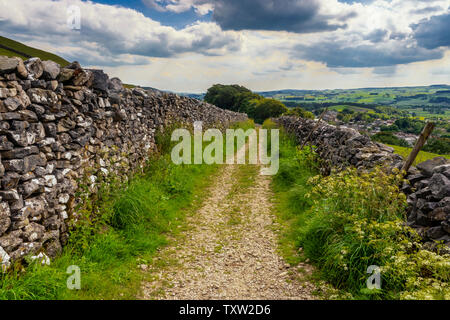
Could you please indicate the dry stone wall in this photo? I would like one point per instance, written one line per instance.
(428, 193)
(58, 125)
(428, 187)
(340, 147)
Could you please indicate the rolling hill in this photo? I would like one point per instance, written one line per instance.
(12, 48)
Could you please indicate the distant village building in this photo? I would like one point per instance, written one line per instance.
(408, 137)
(330, 115)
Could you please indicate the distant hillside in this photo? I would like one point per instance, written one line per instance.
(296, 93)
(434, 95)
(198, 96)
(12, 48)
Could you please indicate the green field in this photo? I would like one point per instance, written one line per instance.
(417, 101)
(339, 108)
(5, 52)
(421, 157)
(422, 115)
(26, 50)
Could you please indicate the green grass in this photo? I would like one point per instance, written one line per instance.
(421, 157)
(132, 223)
(244, 178)
(5, 52)
(290, 187)
(356, 109)
(348, 221)
(33, 52)
(142, 215)
(421, 115)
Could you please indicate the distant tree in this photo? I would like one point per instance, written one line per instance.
(268, 108)
(389, 138)
(300, 112)
(410, 125)
(241, 99)
(347, 111)
(246, 102)
(225, 96)
(392, 128)
(438, 145)
(360, 116)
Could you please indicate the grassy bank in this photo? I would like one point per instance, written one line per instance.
(133, 222)
(421, 157)
(18, 49)
(347, 222)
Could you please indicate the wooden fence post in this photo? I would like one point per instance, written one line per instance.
(419, 144)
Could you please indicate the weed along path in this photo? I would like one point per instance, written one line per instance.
(228, 249)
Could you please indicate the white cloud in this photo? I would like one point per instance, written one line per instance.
(265, 63)
(201, 7)
(145, 52)
(110, 31)
(155, 4)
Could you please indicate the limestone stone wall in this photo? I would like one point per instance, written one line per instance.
(340, 147)
(428, 193)
(58, 125)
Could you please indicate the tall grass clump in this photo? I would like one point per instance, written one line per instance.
(349, 221)
(290, 187)
(358, 220)
(421, 157)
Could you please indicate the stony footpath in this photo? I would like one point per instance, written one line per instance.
(64, 129)
(229, 250)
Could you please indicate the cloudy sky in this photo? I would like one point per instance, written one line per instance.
(188, 45)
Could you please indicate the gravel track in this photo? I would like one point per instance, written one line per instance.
(229, 249)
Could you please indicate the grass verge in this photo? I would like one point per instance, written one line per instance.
(421, 157)
(33, 52)
(132, 223)
(349, 221)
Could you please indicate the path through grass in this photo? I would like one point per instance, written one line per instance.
(134, 222)
(229, 248)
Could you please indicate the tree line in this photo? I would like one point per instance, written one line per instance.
(240, 99)
(439, 145)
